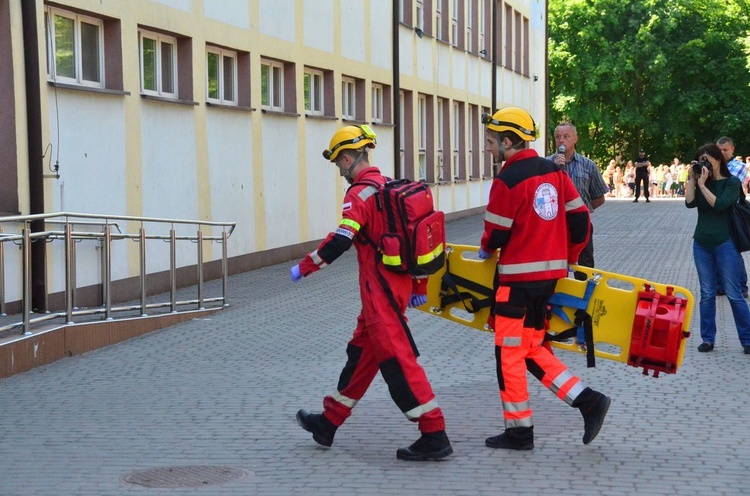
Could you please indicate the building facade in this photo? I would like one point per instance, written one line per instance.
(220, 109)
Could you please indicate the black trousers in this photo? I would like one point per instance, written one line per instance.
(641, 175)
(586, 258)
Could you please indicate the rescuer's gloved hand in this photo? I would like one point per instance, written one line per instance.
(417, 300)
(483, 254)
(296, 274)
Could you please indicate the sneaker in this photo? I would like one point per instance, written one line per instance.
(430, 446)
(705, 347)
(594, 411)
(322, 429)
(648, 201)
(747, 350)
(518, 438)
(635, 201)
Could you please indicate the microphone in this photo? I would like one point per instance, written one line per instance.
(561, 150)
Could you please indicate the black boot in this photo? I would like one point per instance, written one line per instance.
(322, 429)
(593, 406)
(431, 446)
(516, 438)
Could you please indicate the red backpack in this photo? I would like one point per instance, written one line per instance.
(414, 238)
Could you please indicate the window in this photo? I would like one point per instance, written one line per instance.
(158, 64)
(487, 166)
(475, 145)
(75, 48)
(439, 20)
(314, 93)
(459, 141)
(441, 137)
(352, 98)
(469, 26)
(454, 24)
(517, 42)
(508, 37)
(377, 103)
(401, 127)
(420, 14)
(482, 20)
(221, 76)
(272, 85)
(348, 99)
(422, 130)
(525, 47)
(456, 130)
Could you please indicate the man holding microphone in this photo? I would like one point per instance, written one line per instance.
(586, 176)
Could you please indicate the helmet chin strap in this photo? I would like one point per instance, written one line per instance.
(501, 148)
(348, 172)
(501, 151)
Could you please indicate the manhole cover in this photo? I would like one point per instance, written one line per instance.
(195, 476)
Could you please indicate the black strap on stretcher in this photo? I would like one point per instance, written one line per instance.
(582, 319)
(449, 292)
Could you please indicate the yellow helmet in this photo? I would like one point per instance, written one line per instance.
(513, 119)
(350, 138)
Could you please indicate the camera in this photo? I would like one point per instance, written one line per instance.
(698, 166)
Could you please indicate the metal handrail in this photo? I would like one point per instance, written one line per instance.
(105, 237)
(78, 215)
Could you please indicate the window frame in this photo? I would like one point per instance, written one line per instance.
(348, 98)
(422, 136)
(469, 26)
(376, 94)
(272, 64)
(439, 20)
(314, 74)
(51, 46)
(160, 39)
(223, 53)
(482, 29)
(454, 24)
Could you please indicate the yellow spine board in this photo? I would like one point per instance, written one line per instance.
(612, 305)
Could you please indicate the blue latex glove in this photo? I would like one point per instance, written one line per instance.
(483, 254)
(417, 300)
(296, 274)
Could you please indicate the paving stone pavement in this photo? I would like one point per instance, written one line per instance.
(223, 391)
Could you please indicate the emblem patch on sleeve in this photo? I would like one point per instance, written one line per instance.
(545, 201)
(346, 206)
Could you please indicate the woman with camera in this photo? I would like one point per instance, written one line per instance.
(713, 190)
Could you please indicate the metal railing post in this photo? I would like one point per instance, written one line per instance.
(143, 271)
(200, 269)
(69, 273)
(26, 279)
(73, 270)
(224, 268)
(2, 276)
(173, 271)
(107, 282)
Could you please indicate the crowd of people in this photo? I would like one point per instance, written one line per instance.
(664, 181)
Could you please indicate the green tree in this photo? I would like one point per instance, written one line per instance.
(664, 75)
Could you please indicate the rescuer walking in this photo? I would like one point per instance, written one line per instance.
(382, 340)
(539, 220)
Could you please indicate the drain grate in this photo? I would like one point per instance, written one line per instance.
(191, 476)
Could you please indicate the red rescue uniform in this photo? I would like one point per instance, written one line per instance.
(381, 340)
(538, 219)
